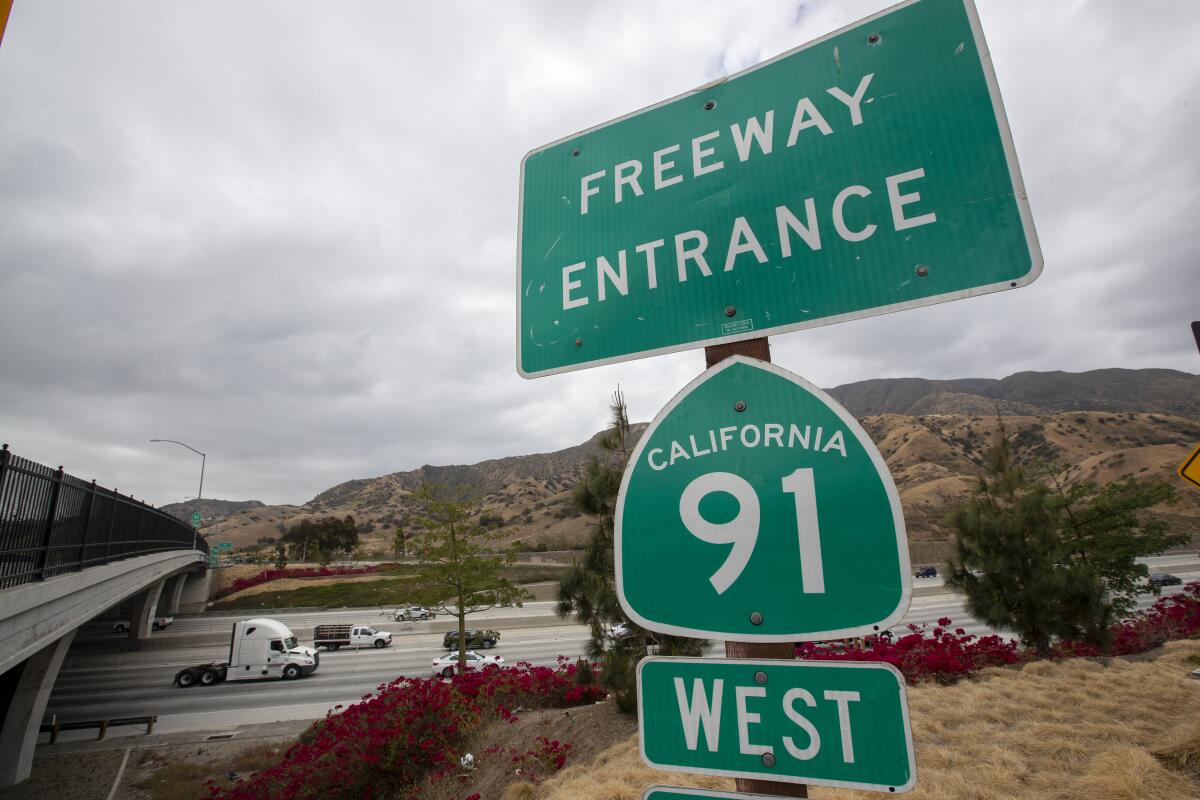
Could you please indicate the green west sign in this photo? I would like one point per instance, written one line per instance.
(866, 172)
(755, 508)
(833, 724)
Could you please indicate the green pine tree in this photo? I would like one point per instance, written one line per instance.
(1050, 562)
(588, 591)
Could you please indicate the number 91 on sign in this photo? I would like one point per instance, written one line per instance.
(755, 508)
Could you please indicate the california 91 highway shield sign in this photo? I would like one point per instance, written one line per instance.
(755, 508)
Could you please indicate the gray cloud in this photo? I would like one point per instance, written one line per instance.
(285, 233)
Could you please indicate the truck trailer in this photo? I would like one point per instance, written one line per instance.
(258, 648)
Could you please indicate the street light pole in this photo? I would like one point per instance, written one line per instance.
(200, 491)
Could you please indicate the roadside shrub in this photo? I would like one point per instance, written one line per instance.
(583, 672)
(944, 655)
(548, 757)
(941, 655)
(411, 729)
(1171, 617)
(268, 575)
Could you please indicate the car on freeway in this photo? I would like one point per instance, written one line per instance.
(480, 638)
(413, 613)
(446, 666)
(1165, 580)
(926, 572)
(158, 623)
(624, 635)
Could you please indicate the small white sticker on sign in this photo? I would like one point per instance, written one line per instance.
(740, 326)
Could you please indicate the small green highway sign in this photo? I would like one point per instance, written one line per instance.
(679, 793)
(828, 723)
(225, 545)
(755, 508)
(196, 519)
(867, 172)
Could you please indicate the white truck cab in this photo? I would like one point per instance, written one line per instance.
(265, 648)
(258, 648)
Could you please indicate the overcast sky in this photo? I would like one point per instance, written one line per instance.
(284, 233)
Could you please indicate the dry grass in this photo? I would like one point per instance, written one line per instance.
(180, 776)
(1071, 730)
(1182, 754)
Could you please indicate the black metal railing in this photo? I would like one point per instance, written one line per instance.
(51, 523)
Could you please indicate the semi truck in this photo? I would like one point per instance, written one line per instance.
(258, 648)
(331, 637)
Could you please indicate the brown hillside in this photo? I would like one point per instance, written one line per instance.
(934, 449)
(935, 460)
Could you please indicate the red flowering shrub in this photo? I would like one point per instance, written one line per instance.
(945, 656)
(269, 575)
(534, 765)
(940, 655)
(1175, 616)
(411, 728)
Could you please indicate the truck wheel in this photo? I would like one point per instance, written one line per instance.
(120, 628)
(489, 643)
(380, 643)
(185, 678)
(291, 671)
(208, 677)
(332, 647)
(448, 672)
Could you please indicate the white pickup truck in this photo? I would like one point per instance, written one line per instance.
(331, 637)
(258, 648)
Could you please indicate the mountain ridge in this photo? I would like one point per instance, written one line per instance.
(1103, 424)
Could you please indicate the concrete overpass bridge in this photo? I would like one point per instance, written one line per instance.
(69, 551)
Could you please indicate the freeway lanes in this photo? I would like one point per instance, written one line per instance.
(210, 628)
(102, 685)
(96, 683)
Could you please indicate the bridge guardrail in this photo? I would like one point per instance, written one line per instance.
(52, 523)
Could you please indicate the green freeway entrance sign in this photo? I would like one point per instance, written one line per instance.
(833, 724)
(678, 793)
(196, 518)
(225, 545)
(752, 456)
(866, 172)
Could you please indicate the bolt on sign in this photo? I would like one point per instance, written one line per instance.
(755, 508)
(833, 724)
(867, 172)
